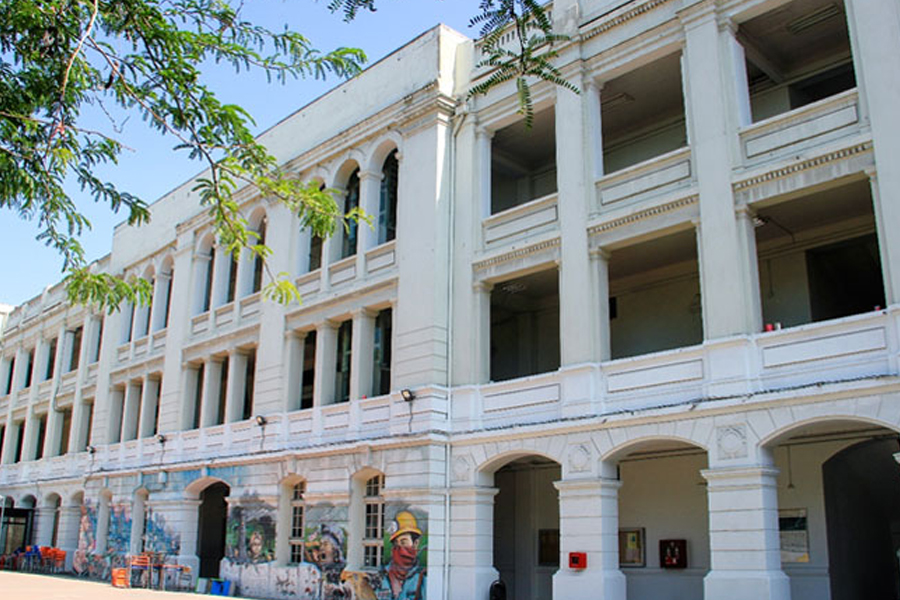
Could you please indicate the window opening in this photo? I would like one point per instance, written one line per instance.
(387, 210)
(381, 372)
(344, 349)
(351, 201)
(75, 356)
(51, 360)
(308, 383)
(250, 380)
(373, 540)
(297, 538)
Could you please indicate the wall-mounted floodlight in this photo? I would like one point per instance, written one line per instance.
(408, 394)
(160, 438)
(261, 420)
(90, 449)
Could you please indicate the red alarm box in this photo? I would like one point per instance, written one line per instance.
(577, 560)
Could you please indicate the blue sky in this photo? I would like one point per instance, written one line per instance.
(151, 168)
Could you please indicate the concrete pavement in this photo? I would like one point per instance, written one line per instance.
(27, 586)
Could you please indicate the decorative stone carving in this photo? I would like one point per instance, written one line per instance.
(732, 441)
(579, 459)
(461, 469)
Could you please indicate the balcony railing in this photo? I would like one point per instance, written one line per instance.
(520, 221)
(659, 175)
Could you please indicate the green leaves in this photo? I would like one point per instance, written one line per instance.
(145, 56)
(528, 56)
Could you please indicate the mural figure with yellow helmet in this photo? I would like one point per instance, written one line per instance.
(403, 578)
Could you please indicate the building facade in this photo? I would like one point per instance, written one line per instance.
(647, 348)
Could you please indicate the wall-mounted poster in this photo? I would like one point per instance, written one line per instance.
(673, 554)
(794, 532)
(631, 547)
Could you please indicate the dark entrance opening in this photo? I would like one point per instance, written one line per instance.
(862, 513)
(211, 528)
(17, 526)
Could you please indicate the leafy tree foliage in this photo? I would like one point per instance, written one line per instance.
(59, 56)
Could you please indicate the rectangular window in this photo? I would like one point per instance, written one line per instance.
(381, 370)
(249, 384)
(75, 357)
(258, 261)
(208, 285)
(198, 395)
(2, 437)
(351, 202)
(342, 374)
(98, 342)
(373, 539)
(169, 283)
(11, 366)
(155, 428)
(41, 436)
(297, 523)
(65, 433)
(20, 440)
(29, 368)
(307, 384)
(232, 278)
(315, 253)
(88, 423)
(223, 390)
(51, 360)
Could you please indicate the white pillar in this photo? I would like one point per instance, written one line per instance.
(362, 354)
(589, 523)
(67, 535)
(326, 354)
(234, 393)
(712, 129)
(149, 403)
(131, 412)
(161, 297)
(483, 172)
(369, 200)
(209, 404)
(472, 547)
(600, 269)
(745, 551)
(43, 524)
(481, 357)
(293, 366)
(749, 258)
(875, 35)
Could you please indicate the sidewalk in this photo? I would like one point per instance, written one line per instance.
(27, 586)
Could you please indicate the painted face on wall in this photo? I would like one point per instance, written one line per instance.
(407, 540)
(256, 545)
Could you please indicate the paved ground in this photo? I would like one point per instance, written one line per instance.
(25, 586)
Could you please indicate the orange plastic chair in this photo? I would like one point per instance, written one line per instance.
(120, 578)
(59, 560)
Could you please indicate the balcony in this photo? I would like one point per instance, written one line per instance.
(665, 174)
(521, 221)
(792, 132)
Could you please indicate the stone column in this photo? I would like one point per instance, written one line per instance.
(161, 298)
(362, 354)
(131, 412)
(234, 394)
(53, 436)
(875, 37)
(209, 404)
(481, 357)
(472, 547)
(589, 523)
(745, 550)
(296, 346)
(369, 200)
(712, 130)
(43, 525)
(574, 160)
(749, 258)
(67, 534)
(78, 435)
(483, 173)
(593, 93)
(201, 262)
(600, 269)
(326, 354)
(149, 402)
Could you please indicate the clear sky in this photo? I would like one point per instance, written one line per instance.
(151, 168)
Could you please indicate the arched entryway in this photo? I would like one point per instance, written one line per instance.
(838, 509)
(211, 522)
(663, 518)
(18, 520)
(526, 526)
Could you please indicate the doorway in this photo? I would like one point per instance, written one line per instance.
(212, 518)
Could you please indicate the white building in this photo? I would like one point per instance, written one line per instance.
(665, 320)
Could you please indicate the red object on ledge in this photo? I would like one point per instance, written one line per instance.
(577, 560)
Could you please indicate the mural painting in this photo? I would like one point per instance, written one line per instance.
(250, 537)
(87, 538)
(160, 537)
(118, 539)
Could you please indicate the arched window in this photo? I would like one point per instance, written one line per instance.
(387, 209)
(351, 201)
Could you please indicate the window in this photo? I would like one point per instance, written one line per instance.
(249, 381)
(315, 252)
(88, 421)
(297, 523)
(232, 278)
(29, 367)
(258, 261)
(20, 440)
(98, 341)
(387, 210)
(223, 390)
(208, 285)
(66, 432)
(170, 281)
(75, 357)
(381, 371)
(128, 324)
(41, 436)
(373, 538)
(351, 201)
(11, 366)
(342, 375)
(308, 382)
(198, 395)
(51, 360)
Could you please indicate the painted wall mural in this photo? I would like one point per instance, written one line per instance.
(250, 533)
(87, 537)
(161, 537)
(323, 574)
(118, 540)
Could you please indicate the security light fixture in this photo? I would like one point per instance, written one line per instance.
(90, 449)
(160, 438)
(408, 394)
(261, 420)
